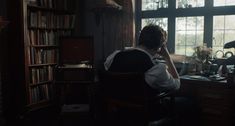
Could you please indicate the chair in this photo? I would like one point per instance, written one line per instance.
(131, 101)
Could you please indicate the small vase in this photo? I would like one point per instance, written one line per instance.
(206, 67)
(199, 68)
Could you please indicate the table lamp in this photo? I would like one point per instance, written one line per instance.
(230, 60)
(230, 44)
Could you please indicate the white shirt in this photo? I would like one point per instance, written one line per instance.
(157, 76)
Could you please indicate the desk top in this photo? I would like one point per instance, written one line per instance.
(203, 78)
(202, 81)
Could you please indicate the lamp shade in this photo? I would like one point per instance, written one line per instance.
(229, 44)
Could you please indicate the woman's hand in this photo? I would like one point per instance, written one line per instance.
(164, 51)
(171, 67)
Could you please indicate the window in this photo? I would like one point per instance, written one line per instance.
(154, 4)
(224, 2)
(158, 21)
(189, 3)
(191, 23)
(189, 34)
(223, 31)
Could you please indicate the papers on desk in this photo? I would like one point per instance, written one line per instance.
(203, 78)
(195, 77)
(216, 77)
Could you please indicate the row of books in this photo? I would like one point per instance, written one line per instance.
(39, 93)
(42, 19)
(46, 37)
(42, 56)
(38, 37)
(57, 4)
(41, 75)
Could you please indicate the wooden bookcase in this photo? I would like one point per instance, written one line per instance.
(76, 71)
(31, 53)
(46, 21)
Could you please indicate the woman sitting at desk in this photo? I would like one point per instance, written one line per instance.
(163, 77)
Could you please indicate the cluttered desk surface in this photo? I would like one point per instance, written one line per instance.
(214, 78)
(201, 82)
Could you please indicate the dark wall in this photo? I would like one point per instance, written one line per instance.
(2, 46)
(86, 26)
(12, 60)
(2, 13)
(108, 26)
(3, 7)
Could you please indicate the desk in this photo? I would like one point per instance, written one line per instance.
(216, 100)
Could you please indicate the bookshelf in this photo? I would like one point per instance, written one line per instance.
(45, 21)
(29, 53)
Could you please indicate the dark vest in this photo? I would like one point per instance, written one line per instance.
(131, 61)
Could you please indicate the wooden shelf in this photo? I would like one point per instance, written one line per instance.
(40, 65)
(41, 83)
(41, 8)
(39, 105)
(50, 29)
(45, 46)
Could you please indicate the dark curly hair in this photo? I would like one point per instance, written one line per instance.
(152, 36)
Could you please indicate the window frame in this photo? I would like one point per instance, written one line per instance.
(208, 11)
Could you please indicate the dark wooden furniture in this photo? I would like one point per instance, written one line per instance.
(73, 84)
(46, 22)
(216, 100)
(31, 53)
(130, 101)
(73, 98)
(76, 66)
(75, 74)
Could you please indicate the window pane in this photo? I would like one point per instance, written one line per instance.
(181, 25)
(199, 36)
(180, 37)
(223, 32)
(154, 4)
(217, 23)
(224, 2)
(229, 21)
(190, 38)
(189, 3)
(182, 50)
(218, 38)
(189, 34)
(158, 21)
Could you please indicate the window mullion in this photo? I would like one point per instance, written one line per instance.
(171, 26)
(138, 17)
(171, 34)
(208, 24)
